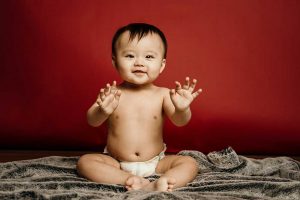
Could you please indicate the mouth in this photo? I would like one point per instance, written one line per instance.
(139, 72)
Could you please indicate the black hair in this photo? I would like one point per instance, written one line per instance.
(139, 30)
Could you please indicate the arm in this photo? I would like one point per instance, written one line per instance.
(177, 102)
(105, 105)
(95, 115)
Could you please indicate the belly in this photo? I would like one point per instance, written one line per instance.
(134, 144)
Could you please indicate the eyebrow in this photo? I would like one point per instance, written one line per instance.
(129, 50)
(154, 52)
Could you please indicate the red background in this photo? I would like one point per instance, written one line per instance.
(55, 56)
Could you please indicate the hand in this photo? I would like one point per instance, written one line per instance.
(108, 98)
(182, 97)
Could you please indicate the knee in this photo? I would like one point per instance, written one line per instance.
(191, 163)
(84, 162)
(81, 163)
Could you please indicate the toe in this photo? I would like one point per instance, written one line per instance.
(129, 181)
(162, 184)
(128, 188)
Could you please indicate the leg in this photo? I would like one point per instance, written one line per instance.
(105, 169)
(177, 172)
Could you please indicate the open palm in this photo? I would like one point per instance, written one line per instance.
(182, 97)
(108, 99)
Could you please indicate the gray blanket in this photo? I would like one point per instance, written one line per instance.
(222, 175)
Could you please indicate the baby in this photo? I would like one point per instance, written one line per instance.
(134, 111)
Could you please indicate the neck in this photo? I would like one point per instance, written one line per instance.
(131, 86)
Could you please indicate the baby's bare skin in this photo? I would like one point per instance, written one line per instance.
(134, 111)
(135, 127)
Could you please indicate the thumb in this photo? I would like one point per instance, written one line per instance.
(172, 94)
(118, 95)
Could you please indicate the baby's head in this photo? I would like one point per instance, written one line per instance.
(139, 53)
(139, 30)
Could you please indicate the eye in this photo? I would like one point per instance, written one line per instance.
(129, 56)
(149, 57)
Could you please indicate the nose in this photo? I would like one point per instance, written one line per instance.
(138, 62)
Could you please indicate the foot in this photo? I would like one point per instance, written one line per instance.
(136, 183)
(165, 184)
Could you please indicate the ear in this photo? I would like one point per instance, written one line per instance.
(113, 61)
(163, 65)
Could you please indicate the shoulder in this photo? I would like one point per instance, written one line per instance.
(163, 91)
(164, 94)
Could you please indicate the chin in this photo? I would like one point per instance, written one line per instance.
(139, 82)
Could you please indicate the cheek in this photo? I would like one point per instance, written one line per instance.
(125, 63)
(157, 65)
(122, 70)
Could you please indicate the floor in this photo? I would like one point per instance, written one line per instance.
(13, 155)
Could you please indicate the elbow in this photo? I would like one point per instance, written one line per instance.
(180, 124)
(93, 124)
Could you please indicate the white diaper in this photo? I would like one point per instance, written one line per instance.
(143, 169)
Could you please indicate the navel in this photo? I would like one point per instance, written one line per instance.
(137, 153)
(154, 117)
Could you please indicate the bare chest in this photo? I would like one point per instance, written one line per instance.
(139, 107)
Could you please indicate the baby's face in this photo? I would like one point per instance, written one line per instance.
(139, 62)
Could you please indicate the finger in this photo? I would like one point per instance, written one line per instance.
(99, 102)
(178, 85)
(107, 89)
(187, 83)
(193, 85)
(102, 95)
(114, 84)
(195, 94)
(113, 87)
(117, 95)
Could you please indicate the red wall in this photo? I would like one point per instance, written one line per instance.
(55, 56)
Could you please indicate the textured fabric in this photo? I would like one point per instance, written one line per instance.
(222, 175)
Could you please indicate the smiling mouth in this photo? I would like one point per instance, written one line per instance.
(139, 72)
